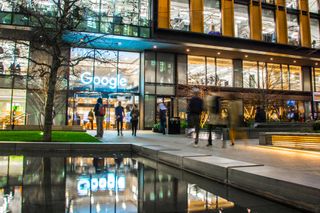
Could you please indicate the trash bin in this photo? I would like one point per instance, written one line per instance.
(174, 125)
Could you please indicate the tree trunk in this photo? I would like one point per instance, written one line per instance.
(48, 117)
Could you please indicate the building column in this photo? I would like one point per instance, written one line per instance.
(306, 78)
(163, 14)
(255, 20)
(196, 15)
(227, 11)
(304, 19)
(281, 22)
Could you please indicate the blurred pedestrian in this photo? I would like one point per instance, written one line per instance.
(195, 109)
(213, 108)
(234, 114)
(134, 119)
(90, 118)
(260, 116)
(163, 117)
(99, 112)
(119, 118)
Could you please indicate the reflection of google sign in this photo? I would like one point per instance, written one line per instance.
(87, 78)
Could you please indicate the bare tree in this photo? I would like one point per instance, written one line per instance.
(46, 37)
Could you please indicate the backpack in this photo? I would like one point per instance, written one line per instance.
(102, 110)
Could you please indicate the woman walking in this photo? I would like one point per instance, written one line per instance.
(134, 119)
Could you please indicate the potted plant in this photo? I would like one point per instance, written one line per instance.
(156, 127)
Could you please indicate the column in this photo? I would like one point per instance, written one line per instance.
(281, 22)
(304, 24)
(163, 14)
(196, 15)
(255, 20)
(227, 11)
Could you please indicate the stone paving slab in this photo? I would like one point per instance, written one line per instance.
(150, 151)
(293, 188)
(174, 158)
(213, 167)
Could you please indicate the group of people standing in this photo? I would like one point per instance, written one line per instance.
(100, 111)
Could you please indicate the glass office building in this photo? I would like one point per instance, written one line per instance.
(157, 50)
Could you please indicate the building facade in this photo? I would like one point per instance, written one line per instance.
(265, 52)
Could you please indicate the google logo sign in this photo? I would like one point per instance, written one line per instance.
(113, 82)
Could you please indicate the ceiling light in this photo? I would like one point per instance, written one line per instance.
(294, 61)
(154, 46)
(119, 43)
(316, 63)
(218, 53)
(246, 56)
(271, 59)
(188, 50)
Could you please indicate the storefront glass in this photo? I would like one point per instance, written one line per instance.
(262, 75)
(196, 70)
(295, 78)
(211, 72)
(292, 4)
(315, 32)
(241, 21)
(128, 70)
(212, 17)
(293, 29)
(179, 15)
(274, 76)
(317, 79)
(285, 77)
(250, 74)
(165, 68)
(268, 26)
(224, 72)
(182, 69)
(313, 6)
(149, 110)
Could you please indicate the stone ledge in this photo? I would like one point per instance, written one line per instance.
(296, 189)
(150, 151)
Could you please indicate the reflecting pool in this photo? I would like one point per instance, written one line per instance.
(115, 183)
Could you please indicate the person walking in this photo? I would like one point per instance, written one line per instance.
(119, 116)
(213, 109)
(260, 116)
(134, 119)
(90, 118)
(163, 117)
(195, 109)
(99, 112)
(234, 117)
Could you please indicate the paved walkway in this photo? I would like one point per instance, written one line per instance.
(249, 151)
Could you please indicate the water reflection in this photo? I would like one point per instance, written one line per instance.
(114, 184)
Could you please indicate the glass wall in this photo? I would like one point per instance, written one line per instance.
(104, 70)
(211, 72)
(315, 32)
(212, 17)
(196, 70)
(295, 78)
(250, 74)
(241, 21)
(317, 79)
(268, 26)
(313, 6)
(274, 76)
(293, 29)
(165, 68)
(285, 77)
(262, 75)
(224, 72)
(293, 4)
(179, 15)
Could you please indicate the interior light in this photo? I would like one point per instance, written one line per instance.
(316, 63)
(294, 61)
(218, 53)
(271, 59)
(246, 56)
(188, 50)
(154, 46)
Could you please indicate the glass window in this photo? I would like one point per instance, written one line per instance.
(179, 15)
(262, 75)
(91, 15)
(144, 13)
(150, 67)
(105, 71)
(149, 111)
(182, 69)
(224, 72)
(317, 79)
(274, 76)
(212, 17)
(127, 11)
(5, 106)
(315, 32)
(81, 76)
(128, 72)
(165, 68)
(285, 77)
(295, 78)
(211, 72)
(5, 12)
(241, 21)
(293, 4)
(196, 70)
(46, 7)
(14, 57)
(313, 6)
(293, 29)
(268, 25)
(268, 1)
(250, 74)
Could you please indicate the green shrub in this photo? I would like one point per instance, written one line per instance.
(183, 124)
(156, 127)
(316, 125)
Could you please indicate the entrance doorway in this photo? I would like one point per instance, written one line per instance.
(81, 103)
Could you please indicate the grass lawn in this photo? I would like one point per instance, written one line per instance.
(57, 136)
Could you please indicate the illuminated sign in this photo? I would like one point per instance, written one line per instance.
(100, 183)
(316, 96)
(113, 82)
